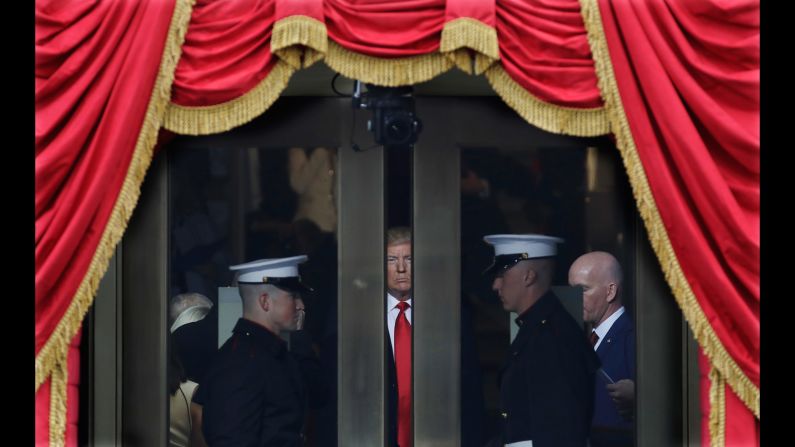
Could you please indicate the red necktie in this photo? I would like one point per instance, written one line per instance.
(594, 338)
(403, 366)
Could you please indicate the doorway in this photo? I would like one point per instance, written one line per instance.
(537, 182)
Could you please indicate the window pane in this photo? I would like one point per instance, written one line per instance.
(578, 194)
(231, 206)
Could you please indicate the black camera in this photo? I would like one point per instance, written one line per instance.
(394, 121)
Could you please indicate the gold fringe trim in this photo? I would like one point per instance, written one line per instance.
(299, 40)
(59, 379)
(658, 236)
(386, 72)
(552, 118)
(717, 409)
(52, 356)
(219, 118)
(470, 44)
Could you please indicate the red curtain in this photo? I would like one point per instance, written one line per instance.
(688, 77)
(544, 48)
(386, 28)
(738, 427)
(226, 51)
(96, 69)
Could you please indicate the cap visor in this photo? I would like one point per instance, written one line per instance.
(492, 270)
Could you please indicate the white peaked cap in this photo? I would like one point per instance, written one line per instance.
(534, 245)
(258, 271)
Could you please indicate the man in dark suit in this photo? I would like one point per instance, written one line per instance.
(613, 338)
(546, 387)
(256, 391)
(399, 303)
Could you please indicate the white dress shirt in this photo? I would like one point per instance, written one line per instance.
(604, 328)
(392, 314)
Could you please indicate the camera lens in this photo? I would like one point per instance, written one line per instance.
(398, 129)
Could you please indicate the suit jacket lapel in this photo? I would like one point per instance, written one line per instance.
(614, 331)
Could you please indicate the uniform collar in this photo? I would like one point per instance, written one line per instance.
(539, 311)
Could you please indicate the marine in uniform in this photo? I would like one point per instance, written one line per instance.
(256, 390)
(546, 386)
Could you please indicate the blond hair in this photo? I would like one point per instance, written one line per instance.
(398, 235)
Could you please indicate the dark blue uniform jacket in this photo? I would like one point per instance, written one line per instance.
(255, 392)
(546, 391)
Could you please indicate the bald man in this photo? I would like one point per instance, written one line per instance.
(613, 338)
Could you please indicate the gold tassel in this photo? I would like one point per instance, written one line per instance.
(300, 41)
(53, 354)
(717, 409)
(219, 118)
(59, 379)
(386, 72)
(470, 44)
(658, 236)
(552, 118)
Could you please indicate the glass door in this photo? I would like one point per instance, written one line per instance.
(290, 183)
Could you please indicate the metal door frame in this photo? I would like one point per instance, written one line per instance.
(138, 361)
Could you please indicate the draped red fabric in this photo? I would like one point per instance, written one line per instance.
(227, 47)
(93, 61)
(481, 10)
(386, 28)
(309, 8)
(688, 75)
(226, 51)
(741, 428)
(543, 45)
(544, 48)
(96, 64)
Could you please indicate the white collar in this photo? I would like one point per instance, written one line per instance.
(391, 302)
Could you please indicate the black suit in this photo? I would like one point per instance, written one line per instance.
(547, 386)
(255, 393)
